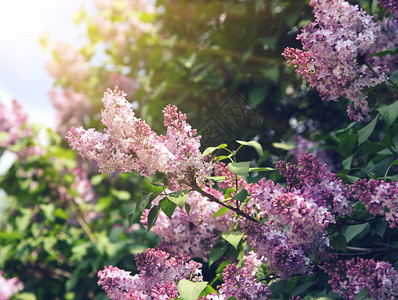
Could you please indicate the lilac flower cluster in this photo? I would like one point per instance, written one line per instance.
(82, 185)
(9, 287)
(304, 145)
(12, 122)
(68, 65)
(159, 274)
(350, 277)
(71, 109)
(380, 198)
(336, 49)
(390, 6)
(295, 217)
(241, 284)
(119, 22)
(194, 234)
(128, 143)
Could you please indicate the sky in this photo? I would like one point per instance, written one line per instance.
(22, 59)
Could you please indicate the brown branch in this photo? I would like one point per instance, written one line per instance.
(214, 199)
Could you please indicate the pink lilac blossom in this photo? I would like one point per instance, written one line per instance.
(380, 198)
(194, 234)
(159, 274)
(68, 65)
(350, 277)
(9, 287)
(120, 22)
(294, 218)
(82, 185)
(334, 47)
(71, 109)
(241, 284)
(13, 122)
(126, 84)
(128, 144)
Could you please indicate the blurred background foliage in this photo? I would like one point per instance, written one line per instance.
(218, 61)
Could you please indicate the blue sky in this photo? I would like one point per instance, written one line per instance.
(22, 60)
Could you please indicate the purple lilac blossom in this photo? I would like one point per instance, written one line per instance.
(295, 217)
(390, 6)
(304, 145)
(159, 274)
(380, 198)
(350, 277)
(241, 284)
(128, 143)
(194, 234)
(9, 287)
(334, 47)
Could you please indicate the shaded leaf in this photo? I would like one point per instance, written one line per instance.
(365, 132)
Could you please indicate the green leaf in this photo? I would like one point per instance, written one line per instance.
(389, 113)
(179, 197)
(391, 51)
(167, 207)
(152, 216)
(241, 196)
(143, 202)
(154, 188)
(233, 238)
(210, 150)
(284, 146)
(208, 290)
(216, 253)
(265, 169)
(190, 290)
(25, 296)
(97, 179)
(394, 77)
(48, 210)
(371, 148)
(257, 95)
(347, 144)
(364, 133)
(302, 288)
(339, 242)
(221, 211)
(122, 195)
(222, 266)
(277, 288)
(271, 73)
(255, 145)
(60, 213)
(239, 168)
(353, 230)
(216, 178)
(187, 208)
(362, 294)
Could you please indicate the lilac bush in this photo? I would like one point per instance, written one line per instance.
(260, 232)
